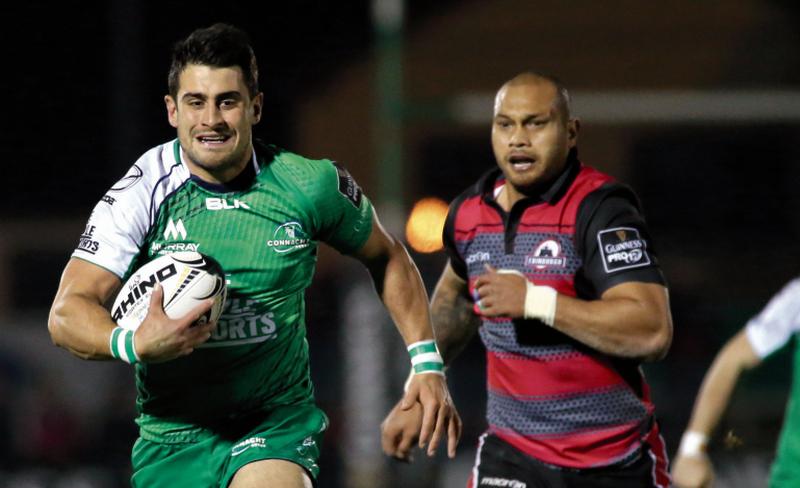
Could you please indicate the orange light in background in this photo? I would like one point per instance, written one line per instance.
(425, 225)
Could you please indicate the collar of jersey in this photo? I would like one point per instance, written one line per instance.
(241, 182)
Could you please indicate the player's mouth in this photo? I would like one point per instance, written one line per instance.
(212, 140)
(521, 161)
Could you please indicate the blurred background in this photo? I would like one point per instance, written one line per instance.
(694, 104)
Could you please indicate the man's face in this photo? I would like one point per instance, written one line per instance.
(530, 138)
(214, 115)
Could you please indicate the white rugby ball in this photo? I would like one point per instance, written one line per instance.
(187, 278)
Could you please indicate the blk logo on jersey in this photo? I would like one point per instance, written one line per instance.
(288, 237)
(622, 248)
(223, 204)
(175, 230)
(546, 255)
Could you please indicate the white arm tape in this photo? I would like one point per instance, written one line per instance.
(540, 301)
(693, 444)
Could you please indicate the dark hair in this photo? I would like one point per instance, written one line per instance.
(220, 46)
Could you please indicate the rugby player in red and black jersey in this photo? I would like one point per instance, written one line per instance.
(552, 262)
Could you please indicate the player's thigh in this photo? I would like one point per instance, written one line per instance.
(275, 473)
(159, 465)
(288, 441)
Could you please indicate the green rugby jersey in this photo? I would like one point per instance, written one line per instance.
(263, 228)
(767, 332)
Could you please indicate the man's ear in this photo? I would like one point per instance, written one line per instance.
(257, 107)
(172, 110)
(573, 127)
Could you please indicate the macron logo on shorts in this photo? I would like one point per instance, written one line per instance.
(247, 444)
(492, 481)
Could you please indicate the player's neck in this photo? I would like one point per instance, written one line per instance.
(507, 196)
(217, 175)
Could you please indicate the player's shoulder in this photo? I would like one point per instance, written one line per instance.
(602, 191)
(790, 291)
(160, 165)
(316, 179)
(293, 165)
(473, 193)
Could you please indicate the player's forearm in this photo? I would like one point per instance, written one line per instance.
(719, 383)
(81, 326)
(404, 295)
(619, 326)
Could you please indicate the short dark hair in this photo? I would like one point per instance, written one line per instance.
(220, 46)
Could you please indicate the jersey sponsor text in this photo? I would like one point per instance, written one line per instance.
(86, 243)
(241, 324)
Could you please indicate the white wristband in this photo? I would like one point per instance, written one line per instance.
(540, 303)
(693, 444)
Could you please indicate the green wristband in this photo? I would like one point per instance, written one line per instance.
(122, 345)
(425, 358)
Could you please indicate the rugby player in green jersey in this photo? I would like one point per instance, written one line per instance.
(777, 325)
(231, 403)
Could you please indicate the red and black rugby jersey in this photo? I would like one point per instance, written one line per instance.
(548, 395)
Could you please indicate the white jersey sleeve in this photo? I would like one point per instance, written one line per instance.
(774, 326)
(122, 218)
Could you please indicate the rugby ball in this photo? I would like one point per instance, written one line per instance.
(187, 278)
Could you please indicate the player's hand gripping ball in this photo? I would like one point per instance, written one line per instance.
(187, 278)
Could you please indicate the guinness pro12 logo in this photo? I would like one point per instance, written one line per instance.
(622, 248)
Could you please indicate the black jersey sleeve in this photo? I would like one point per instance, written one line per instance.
(449, 240)
(614, 242)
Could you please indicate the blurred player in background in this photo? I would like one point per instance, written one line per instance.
(231, 404)
(552, 262)
(764, 334)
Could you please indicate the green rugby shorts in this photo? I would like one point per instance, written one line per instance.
(292, 433)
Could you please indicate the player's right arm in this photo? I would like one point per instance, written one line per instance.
(80, 323)
(78, 320)
(692, 467)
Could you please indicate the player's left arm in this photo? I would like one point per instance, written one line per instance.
(629, 320)
(398, 282)
(342, 216)
(630, 317)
